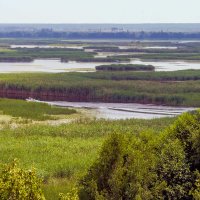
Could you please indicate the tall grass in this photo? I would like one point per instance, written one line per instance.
(158, 87)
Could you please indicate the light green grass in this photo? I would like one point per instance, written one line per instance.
(62, 154)
(32, 110)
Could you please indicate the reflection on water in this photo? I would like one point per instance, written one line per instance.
(125, 110)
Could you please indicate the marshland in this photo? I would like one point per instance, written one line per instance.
(102, 127)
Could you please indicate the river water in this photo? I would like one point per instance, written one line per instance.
(169, 65)
(116, 111)
(55, 66)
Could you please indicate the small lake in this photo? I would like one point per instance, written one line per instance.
(55, 66)
(115, 111)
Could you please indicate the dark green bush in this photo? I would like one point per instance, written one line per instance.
(148, 166)
(187, 130)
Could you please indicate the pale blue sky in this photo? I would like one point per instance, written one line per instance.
(99, 11)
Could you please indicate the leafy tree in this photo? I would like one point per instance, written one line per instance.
(187, 130)
(143, 167)
(173, 169)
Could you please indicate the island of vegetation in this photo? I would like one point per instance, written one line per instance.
(125, 67)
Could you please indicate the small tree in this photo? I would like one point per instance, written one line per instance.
(19, 184)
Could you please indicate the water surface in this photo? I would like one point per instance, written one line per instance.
(55, 66)
(46, 65)
(169, 65)
(116, 111)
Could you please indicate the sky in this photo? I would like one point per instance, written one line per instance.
(99, 11)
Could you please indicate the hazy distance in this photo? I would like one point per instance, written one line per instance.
(99, 11)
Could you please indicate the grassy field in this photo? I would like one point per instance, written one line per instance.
(62, 154)
(32, 110)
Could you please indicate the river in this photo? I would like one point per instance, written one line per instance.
(55, 66)
(116, 111)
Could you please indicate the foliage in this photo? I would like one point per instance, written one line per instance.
(73, 195)
(18, 184)
(187, 130)
(147, 166)
(195, 192)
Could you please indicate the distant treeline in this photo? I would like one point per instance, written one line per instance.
(100, 35)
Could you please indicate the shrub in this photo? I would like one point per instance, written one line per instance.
(73, 195)
(19, 184)
(147, 166)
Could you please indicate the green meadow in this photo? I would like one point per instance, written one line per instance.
(31, 110)
(63, 153)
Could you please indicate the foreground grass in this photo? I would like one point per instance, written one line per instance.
(32, 110)
(62, 154)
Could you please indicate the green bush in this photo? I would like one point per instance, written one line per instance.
(148, 166)
(19, 184)
(130, 168)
